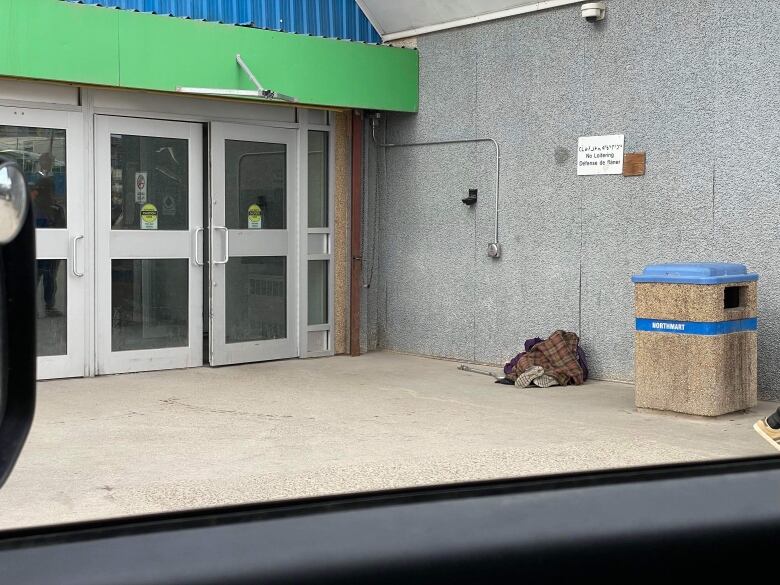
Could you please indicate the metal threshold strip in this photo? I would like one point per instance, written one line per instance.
(260, 92)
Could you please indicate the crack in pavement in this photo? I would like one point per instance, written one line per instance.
(173, 401)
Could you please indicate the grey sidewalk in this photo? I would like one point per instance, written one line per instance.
(140, 443)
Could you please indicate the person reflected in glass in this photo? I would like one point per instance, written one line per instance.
(47, 215)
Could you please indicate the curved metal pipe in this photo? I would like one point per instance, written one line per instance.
(459, 141)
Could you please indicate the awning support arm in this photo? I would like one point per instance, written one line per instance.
(248, 71)
(259, 92)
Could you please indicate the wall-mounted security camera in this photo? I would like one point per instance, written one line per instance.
(593, 11)
(471, 199)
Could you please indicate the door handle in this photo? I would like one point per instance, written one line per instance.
(74, 257)
(197, 231)
(227, 245)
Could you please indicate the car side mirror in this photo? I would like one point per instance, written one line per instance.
(17, 315)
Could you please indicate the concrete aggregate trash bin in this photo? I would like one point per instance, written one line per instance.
(696, 338)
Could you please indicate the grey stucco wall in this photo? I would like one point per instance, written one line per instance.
(695, 84)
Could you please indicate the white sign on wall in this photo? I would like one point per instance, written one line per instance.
(600, 155)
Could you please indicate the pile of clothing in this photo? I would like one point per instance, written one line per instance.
(556, 361)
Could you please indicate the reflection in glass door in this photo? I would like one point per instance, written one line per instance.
(150, 237)
(253, 235)
(47, 146)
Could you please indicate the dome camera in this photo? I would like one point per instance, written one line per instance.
(593, 11)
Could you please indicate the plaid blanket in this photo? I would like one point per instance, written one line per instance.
(557, 355)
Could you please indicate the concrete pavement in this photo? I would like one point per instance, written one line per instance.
(141, 443)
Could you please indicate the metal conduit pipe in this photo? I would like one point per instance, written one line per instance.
(494, 248)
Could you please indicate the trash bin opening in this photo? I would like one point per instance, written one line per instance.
(734, 297)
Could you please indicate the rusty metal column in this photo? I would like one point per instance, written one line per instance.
(355, 228)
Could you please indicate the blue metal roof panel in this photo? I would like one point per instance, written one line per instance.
(341, 19)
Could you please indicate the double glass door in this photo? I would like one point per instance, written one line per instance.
(165, 253)
(136, 276)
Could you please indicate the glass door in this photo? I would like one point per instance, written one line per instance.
(48, 147)
(254, 206)
(149, 190)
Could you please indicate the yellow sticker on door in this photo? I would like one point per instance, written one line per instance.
(255, 217)
(148, 217)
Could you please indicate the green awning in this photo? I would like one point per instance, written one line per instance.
(83, 44)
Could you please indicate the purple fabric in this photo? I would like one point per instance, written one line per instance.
(529, 343)
(583, 362)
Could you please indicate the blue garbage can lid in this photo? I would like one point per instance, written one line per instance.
(696, 273)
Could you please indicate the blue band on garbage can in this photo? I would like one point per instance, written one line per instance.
(696, 327)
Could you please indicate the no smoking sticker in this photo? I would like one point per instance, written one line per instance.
(140, 187)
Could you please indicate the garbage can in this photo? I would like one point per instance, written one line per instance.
(696, 335)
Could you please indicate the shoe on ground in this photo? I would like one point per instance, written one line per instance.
(545, 381)
(53, 313)
(771, 435)
(524, 380)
